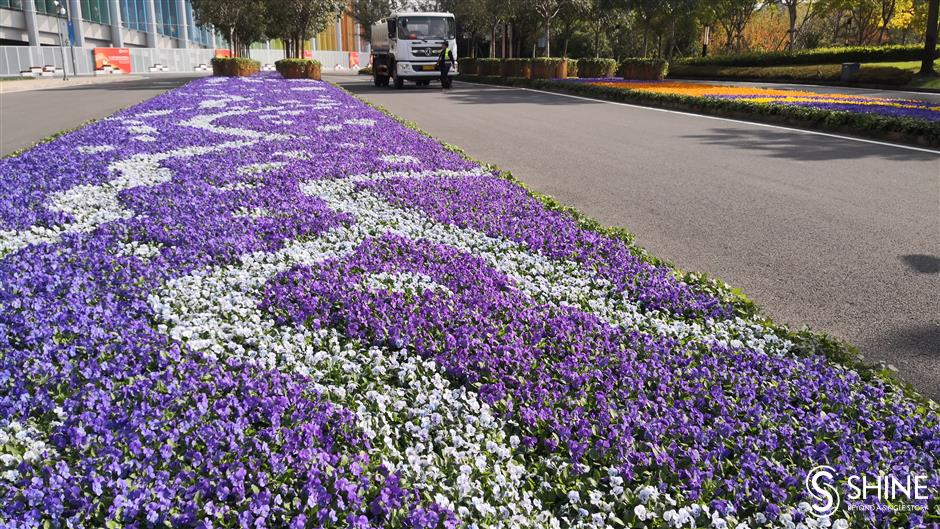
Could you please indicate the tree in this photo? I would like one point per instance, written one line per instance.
(599, 15)
(368, 12)
(242, 22)
(732, 16)
(649, 15)
(547, 10)
(296, 21)
(793, 14)
(930, 39)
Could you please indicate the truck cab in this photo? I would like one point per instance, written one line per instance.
(406, 46)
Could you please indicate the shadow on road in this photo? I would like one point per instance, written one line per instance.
(786, 145)
(922, 264)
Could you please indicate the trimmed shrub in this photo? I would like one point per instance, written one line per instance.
(591, 68)
(298, 68)
(467, 65)
(826, 73)
(549, 68)
(573, 66)
(815, 56)
(488, 67)
(516, 68)
(234, 66)
(883, 75)
(643, 69)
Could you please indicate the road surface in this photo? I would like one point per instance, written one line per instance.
(28, 116)
(836, 233)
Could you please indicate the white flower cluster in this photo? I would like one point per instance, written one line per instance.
(141, 250)
(398, 158)
(411, 283)
(94, 149)
(21, 443)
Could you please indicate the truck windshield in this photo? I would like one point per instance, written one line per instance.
(427, 28)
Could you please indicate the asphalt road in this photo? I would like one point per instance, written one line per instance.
(835, 233)
(28, 116)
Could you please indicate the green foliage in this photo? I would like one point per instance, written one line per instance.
(644, 69)
(829, 73)
(295, 21)
(300, 63)
(814, 56)
(554, 61)
(241, 61)
(904, 130)
(242, 23)
(596, 68)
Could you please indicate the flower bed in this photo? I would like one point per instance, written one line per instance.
(260, 302)
(800, 98)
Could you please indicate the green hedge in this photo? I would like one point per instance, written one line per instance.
(643, 69)
(590, 68)
(827, 73)
(234, 66)
(467, 65)
(905, 130)
(814, 56)
(549, 68)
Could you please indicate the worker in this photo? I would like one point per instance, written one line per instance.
(444, 62)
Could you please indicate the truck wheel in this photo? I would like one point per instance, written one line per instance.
(399, 83)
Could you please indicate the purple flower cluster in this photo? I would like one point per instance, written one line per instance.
(213, 306)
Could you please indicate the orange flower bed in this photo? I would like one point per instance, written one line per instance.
(777, 96)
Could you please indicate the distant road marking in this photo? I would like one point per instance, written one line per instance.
(681, 113)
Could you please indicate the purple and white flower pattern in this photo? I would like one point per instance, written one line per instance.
(261, 303)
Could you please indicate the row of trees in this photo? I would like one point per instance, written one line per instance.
(245, 22)
(668, 28)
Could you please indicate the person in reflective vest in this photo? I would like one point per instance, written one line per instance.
(444, 63)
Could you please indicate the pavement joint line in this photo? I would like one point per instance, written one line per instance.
(681, 113)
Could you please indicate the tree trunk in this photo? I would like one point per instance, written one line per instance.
(548, 37)
(493, 41)
(930, 39)
(791, 10)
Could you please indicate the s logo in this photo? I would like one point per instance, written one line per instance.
(820, 484)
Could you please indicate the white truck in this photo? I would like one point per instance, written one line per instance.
(406, 46)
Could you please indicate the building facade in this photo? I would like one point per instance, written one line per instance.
(104, 23)
(161, 36)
